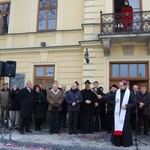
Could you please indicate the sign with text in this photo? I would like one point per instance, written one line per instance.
(19, 80)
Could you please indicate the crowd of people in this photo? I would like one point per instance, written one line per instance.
(86, 111)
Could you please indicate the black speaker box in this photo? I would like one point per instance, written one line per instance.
(2, 68)
(10, 68)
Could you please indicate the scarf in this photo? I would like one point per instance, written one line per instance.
(119, 112)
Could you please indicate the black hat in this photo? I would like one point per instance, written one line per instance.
(114, 85)
(5, 84)
(77, 82)
(87, 82)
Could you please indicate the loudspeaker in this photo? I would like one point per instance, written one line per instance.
(2, 68)
(10, 68)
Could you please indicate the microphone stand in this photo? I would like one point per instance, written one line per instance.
(136, 121)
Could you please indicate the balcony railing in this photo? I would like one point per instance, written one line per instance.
(122, 23)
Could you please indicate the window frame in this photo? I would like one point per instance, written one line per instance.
(129, 77)
(44, 77)
(47, 19)
(2, 14)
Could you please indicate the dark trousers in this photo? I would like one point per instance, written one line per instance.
(63, 119)
(54, 121)
(79, 122)
(88, 123)
(25, 123)
(97, 121)
(3, 112)
(103, 121)
(145, 119)
(133, 120)
(38, 123)
(110, 120)
(73, 118)
(45, 113)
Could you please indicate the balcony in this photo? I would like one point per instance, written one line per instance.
(118, 27)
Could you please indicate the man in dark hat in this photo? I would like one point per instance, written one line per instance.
(89, 98)
(77, 84)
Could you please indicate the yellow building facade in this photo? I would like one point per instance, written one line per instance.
(76, 26)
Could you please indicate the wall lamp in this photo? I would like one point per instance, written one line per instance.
(86, 56)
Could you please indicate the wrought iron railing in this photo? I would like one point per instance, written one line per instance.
(118, 23)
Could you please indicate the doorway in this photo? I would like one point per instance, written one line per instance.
(136, 5)
(118, 4)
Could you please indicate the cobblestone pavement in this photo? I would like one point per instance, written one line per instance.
(42, 140)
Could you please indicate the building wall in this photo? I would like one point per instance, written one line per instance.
(78, 26)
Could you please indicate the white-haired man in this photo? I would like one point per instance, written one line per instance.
(26, 107)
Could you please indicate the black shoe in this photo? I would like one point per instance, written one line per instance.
(21, 132)
(108, 132)
(29, 131)
(92, 132)
(36, 129)
(40, 129)
(146, 133)
(51, 132)
(75, 132)
(57, 132)
(70, 132)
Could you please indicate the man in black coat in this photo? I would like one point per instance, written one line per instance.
(73, 99)
(97, 107)
(26, 107)
(89, 99)
(134, 110)
(110, 109)
(143, 100)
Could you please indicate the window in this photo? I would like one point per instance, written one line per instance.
(44, 75)
(4, 17)
(130, 70)
(47, 15)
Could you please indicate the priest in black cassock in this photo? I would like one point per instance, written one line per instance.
(89, 99)
(124, 102)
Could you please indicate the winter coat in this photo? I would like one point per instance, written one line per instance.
(39, 105)
(14, 100)
(4, 98)
(88, 95)
(111, 103)
(73, 96)
(144, 99)
(53, 99)
(26, 103)
(101, 104)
